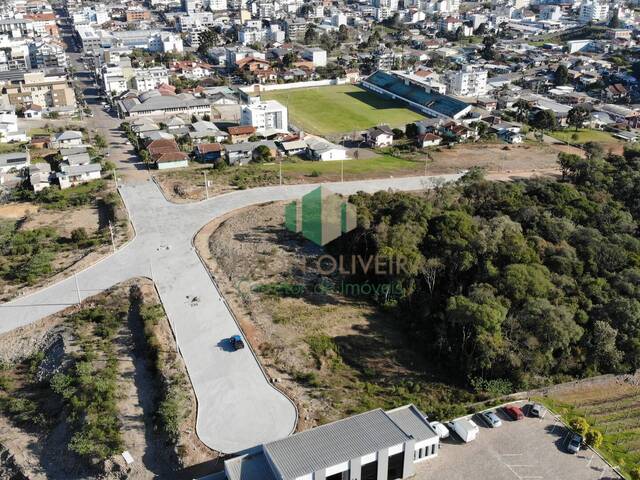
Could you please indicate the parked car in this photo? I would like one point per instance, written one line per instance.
(491, 419)
(236, 342)
(441, 430)
(467, 430)
(514, 412)
(537, 410)
(574, 444)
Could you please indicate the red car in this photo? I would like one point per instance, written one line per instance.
(514, 412)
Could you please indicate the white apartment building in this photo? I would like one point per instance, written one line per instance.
(96, 15)
(218, 5)
(594, 11)
(468, 82)
(247, 36)
(147, 79)
(267, 117)
(45, 54)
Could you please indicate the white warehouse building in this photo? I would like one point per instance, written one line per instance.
(374, 445)
(267, 117)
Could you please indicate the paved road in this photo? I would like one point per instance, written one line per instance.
(237, 407)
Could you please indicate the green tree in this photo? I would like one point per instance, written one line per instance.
(311, 35)
(99, 141)
(262, 154)
(561, 75)
(635, 473)
(615, 20)
(544, 120)
(577, 116)
(606, 354)
(522, 109)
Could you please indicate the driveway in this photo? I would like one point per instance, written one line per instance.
(237, 406)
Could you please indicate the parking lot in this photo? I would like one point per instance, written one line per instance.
(531, 448)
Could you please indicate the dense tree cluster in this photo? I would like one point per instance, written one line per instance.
(529, 281)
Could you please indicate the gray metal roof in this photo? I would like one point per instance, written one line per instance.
(13, 158)
(334, 443)
(412, 422)
(253, 466)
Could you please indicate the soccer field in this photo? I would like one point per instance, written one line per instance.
(340, 109)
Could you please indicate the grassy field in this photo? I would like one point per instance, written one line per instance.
(614, 409)
(377, 166)
(340, 109)
(584, 135)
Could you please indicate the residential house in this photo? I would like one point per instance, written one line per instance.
(14, 161)
(204, 131)
(40, 176)
(380, 136)
(242, 153)
(208, 152)
(320, 149)
(293, 147)
(428, 139)
(67, 138)
(166, 154)
(616, 92)
(34, 111)
(72, 175)
(241, 133)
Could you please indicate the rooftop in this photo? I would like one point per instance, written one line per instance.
(334, 443)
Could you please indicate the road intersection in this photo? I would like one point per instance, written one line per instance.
(237, 406)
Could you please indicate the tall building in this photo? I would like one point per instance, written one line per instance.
(594, 11)
(269, 116)
(468, 82)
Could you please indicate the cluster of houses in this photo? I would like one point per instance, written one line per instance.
(236, 145)
(74, 164)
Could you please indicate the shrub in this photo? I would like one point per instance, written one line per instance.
(79, 235)
(579, 425)
(594, 438)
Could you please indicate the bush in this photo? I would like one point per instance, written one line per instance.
(79, 235)
(594, 438)
(579, 425)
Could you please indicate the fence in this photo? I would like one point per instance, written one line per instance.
(257, 88)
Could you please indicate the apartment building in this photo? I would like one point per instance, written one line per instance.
(267, 117)
(593, 11)
(138, 15)
(47, 54)
(468, 82)
(316, 55)
(41, 89)
(146, 79)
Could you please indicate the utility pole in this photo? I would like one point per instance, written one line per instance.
(206, 185)
(280, 167)
(342, 170)
(75, 277)
(113, 242)
(115, 177)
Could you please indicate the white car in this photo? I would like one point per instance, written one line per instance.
(441, 430)
(538, 410)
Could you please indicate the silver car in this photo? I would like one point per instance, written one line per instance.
(574, 444)
(491, 419)
(538, 410)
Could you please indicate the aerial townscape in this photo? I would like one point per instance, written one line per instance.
(319, 239)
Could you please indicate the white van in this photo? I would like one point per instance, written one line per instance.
(467, 430)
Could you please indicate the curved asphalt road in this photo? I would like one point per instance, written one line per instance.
(237, 406)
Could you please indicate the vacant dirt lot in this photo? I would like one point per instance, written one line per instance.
(334, 355)
(67, 259)
(43, 455)
(499, 158)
